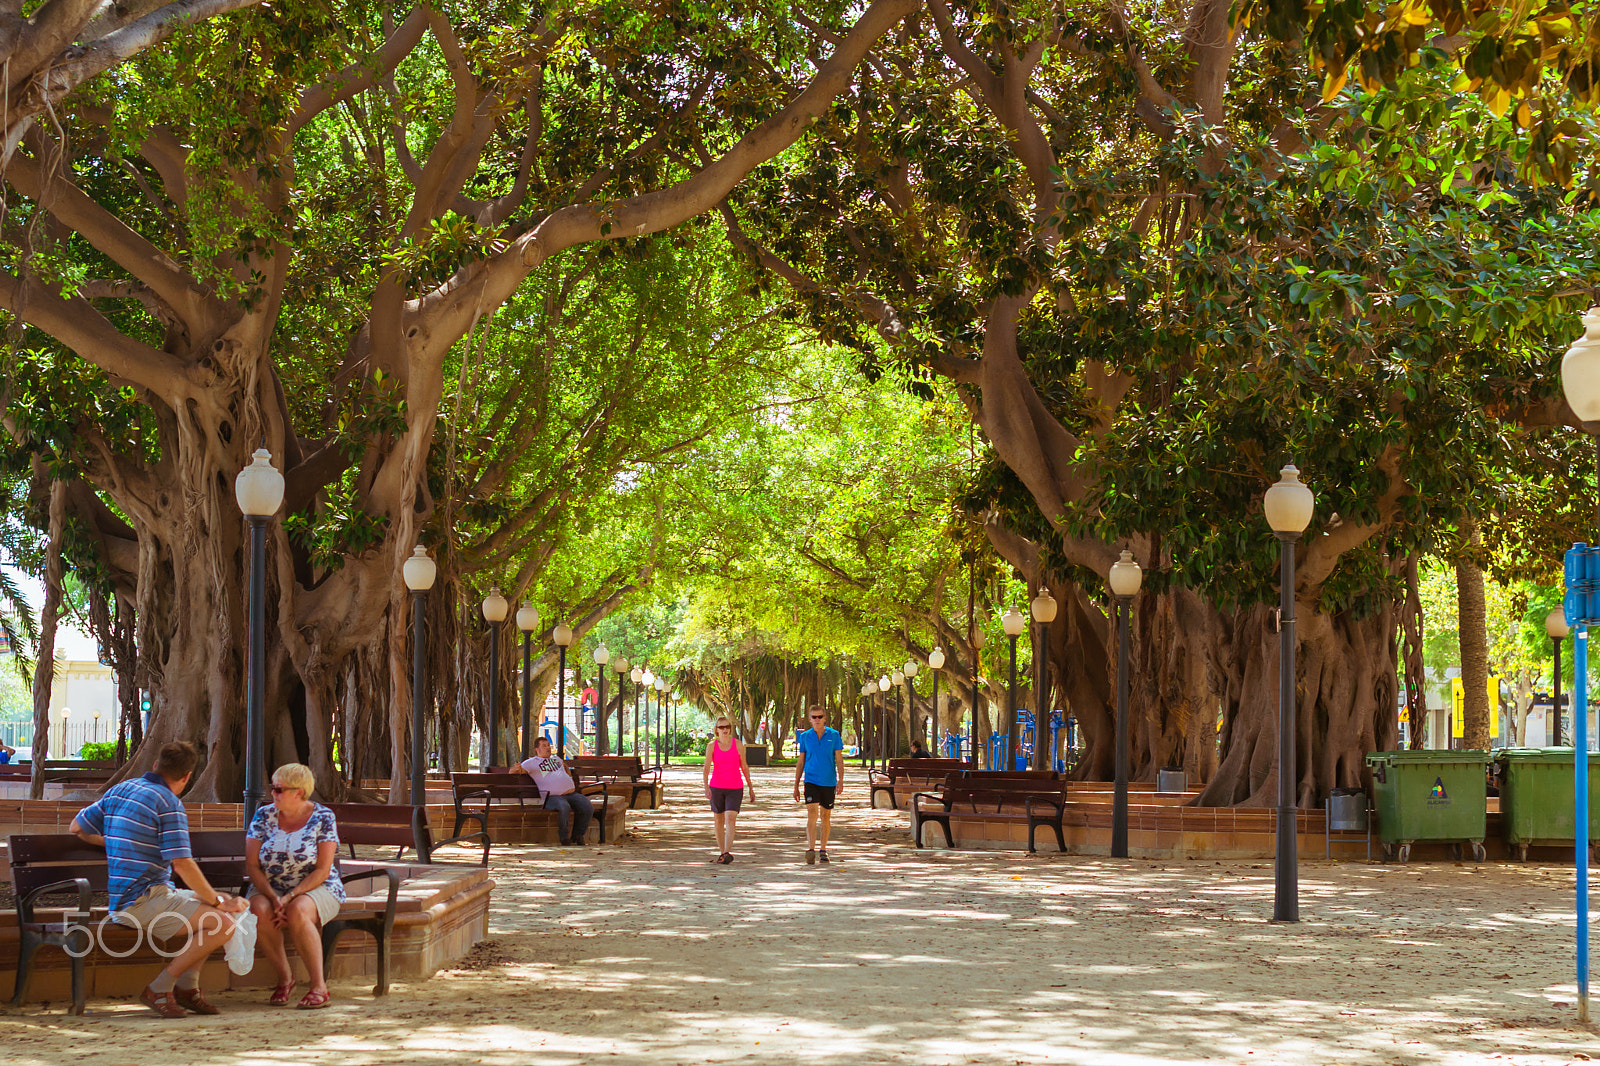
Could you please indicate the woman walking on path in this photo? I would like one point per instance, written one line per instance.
(726, 775)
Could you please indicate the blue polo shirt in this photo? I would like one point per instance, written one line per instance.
(820, 768)
(145, 827)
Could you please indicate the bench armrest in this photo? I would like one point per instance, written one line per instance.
(394, 888)
(25, 904)
(1053, 802)
(931, 796)
(481, 835)
(878, 777)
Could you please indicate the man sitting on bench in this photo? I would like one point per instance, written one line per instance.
(143, 827)
(560, 793)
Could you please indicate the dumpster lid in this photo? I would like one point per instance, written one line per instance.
(1562, 756)
(1469, 757)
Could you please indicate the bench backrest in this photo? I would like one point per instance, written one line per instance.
(40, 858)
(395, 824)
(496, 785)
(999, 776)
(622, 766)
(926, 767)
(1013, 793)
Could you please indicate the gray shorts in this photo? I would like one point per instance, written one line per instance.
(162, 912)
(327, 904)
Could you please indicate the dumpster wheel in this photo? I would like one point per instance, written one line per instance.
(1522, 853)
(1478, 852)
(1404, 854)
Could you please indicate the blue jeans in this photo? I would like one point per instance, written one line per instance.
(573, 803)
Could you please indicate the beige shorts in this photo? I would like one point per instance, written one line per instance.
(163, 912)
(328, 905)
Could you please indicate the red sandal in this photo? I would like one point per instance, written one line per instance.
(314, 1000)
(281, 994)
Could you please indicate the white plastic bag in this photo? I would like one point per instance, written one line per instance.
(241, 947)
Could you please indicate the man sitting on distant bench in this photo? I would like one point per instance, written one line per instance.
(559, 791)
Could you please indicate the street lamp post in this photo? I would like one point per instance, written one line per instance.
(1013, 623)
(1288, 506)
(494, 612)
(935, 662)
(977, 668)
(661, 721)
(884, 683)
(1124, 580)
(636, 675)
(867, 688)
(527, 621)
(912, 725)
(1580, 381)
(259, 492)
(1555, 624)
(563, 637)
(602, 655)
(619, 666)
(1044, 612)
(418, 572)
(898, 679)
(646, 740)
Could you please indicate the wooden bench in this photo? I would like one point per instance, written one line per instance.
(1032, 802)
(616, 770)
(398, 825)
(60, 864)
(504, 785)
(914, 773)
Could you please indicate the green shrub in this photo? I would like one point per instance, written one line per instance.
(103, 749)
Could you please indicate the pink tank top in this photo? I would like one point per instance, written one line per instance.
(725, 766)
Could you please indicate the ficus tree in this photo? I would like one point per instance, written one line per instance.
(278, 226)
(1159, 265)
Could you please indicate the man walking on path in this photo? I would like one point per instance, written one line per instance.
(821, 770)
(143, 827)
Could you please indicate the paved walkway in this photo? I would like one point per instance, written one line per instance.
(645, 953)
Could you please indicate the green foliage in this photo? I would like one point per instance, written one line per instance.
(93, 750)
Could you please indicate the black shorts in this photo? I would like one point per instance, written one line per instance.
(821, 795)
(724, 800)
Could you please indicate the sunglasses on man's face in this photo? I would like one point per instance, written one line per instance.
(816, 718)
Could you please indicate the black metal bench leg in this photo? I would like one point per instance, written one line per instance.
(1061, 838)
(79, 991)
(25, 952)
(382, 988)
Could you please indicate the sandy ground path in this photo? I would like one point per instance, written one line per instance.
(644, 953)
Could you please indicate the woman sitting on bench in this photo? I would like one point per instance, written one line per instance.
(291, 853)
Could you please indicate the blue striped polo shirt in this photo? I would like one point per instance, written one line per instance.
(145, 827)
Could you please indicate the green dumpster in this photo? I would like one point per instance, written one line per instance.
(1429, 795)
(1536, 798)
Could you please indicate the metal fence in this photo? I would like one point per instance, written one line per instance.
(77, 734)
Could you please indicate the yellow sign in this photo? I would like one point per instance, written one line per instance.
(1458, 711)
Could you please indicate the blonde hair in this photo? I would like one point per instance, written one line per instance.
(723, 719)
(296, 775)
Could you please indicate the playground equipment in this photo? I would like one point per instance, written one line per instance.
(548, 729)
(951, 745)
(1058, 722)
(1025, 724)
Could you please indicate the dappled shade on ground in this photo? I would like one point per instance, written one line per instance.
(644, 952)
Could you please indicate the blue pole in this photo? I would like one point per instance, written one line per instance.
(1580, 781)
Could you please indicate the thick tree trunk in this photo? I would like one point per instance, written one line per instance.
(1346, 697)
(44, 670)
(1472, 622)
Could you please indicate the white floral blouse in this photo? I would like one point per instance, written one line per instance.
(289, 858)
